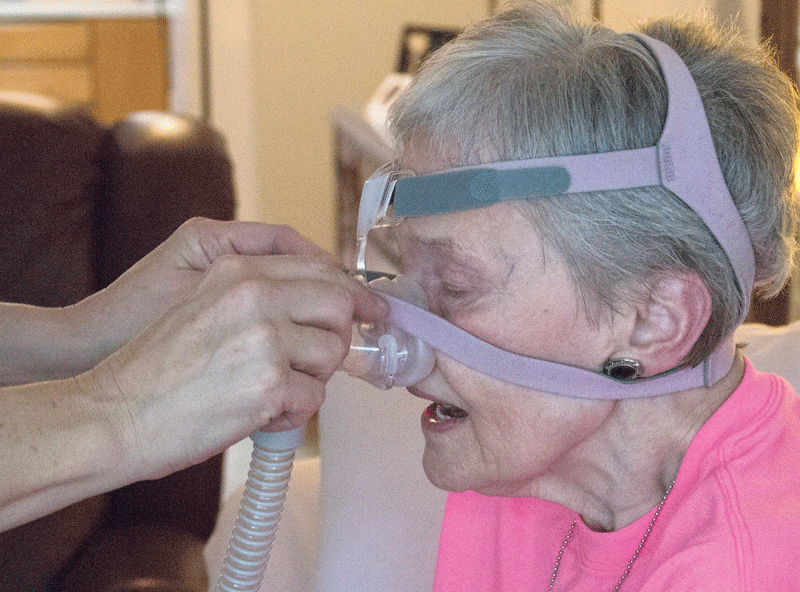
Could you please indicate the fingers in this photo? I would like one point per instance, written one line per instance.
(318, 286)
(208, 240)
(252, 238)
(315, 352)
(280, 252)
(331, 294)
(305, 397)
(309, 305)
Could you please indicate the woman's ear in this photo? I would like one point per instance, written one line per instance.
(668, 322)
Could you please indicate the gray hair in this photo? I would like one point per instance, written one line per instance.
(532, 82)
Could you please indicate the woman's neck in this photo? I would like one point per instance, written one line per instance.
(624, 470)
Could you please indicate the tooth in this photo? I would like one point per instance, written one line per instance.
(447, 412)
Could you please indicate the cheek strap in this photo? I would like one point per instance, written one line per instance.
(544, 376)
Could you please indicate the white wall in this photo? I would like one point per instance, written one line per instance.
(278, 68)
(233, 79)
(312, 56)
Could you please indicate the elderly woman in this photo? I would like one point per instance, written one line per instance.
(589, 407)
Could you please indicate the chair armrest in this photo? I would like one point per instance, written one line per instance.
(160, 170)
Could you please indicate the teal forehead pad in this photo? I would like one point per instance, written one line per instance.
(476, 188)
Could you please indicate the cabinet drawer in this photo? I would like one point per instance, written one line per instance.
(68, 41)
(69, 83)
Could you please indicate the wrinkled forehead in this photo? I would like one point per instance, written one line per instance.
(499, 230)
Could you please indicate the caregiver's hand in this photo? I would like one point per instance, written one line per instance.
(224, 329)
(252, 345)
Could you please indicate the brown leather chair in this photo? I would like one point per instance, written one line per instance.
(80, 204)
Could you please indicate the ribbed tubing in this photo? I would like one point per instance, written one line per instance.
(254, 532)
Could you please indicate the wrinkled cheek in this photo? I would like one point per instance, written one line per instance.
(470, 385)
(477, 448)
(468, 456)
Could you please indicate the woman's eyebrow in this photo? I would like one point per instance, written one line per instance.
(444, 247)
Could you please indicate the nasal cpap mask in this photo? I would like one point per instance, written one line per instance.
(683, 161)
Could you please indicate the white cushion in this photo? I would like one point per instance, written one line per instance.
(773, 349)
(381, 516)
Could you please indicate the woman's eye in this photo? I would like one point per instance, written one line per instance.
(455, 292)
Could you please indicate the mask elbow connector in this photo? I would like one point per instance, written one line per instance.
(384, 355)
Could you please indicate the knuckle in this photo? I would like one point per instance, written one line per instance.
(241, 300)
(286, 230)
(342, 349)
(276, 378)
(330, 358)
(342, 303)
(196, 227)
(320, 266)
(339, 350)
(317, 398)
(270, 338)
(230, 266)
(196, 222)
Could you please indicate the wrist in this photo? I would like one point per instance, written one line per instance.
(90, 330)
(41, 344)
(110, 419)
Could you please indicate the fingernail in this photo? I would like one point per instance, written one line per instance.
(383, 305)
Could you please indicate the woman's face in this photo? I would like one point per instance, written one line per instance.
(488, 272)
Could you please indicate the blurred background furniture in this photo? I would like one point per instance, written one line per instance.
(81, 202)
(113, 66)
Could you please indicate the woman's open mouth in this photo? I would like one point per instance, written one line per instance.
(441, 417)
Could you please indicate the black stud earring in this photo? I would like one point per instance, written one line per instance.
(623, 369)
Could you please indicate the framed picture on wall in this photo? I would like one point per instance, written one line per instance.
(418, 42)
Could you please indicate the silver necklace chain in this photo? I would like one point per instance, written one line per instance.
(635, 553)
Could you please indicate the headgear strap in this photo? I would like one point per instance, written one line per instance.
(684, 161)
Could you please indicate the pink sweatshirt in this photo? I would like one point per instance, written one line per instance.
(731, 522)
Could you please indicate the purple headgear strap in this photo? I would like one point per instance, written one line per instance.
(684, 161)
(544, 376)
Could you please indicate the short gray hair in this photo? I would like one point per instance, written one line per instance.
(532, 81)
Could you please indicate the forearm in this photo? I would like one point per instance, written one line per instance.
(60, 442)
(39, 344)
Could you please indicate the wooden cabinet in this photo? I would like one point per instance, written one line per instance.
(113, 66)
